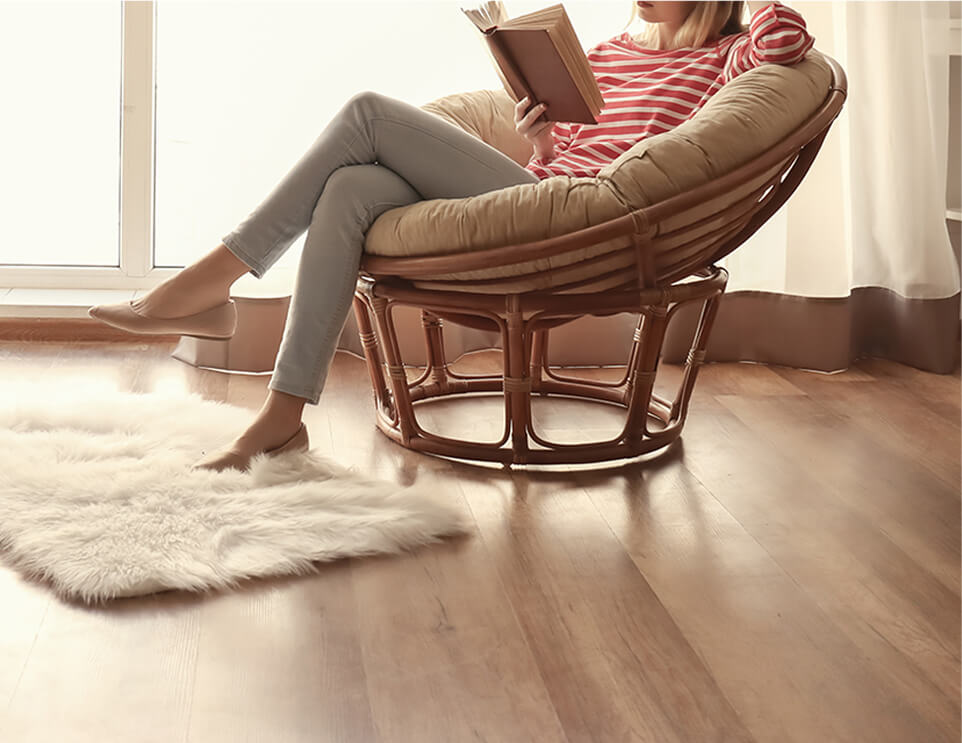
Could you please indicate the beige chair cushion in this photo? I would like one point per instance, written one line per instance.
(742, 120)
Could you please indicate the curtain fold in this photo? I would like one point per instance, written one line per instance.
(895, 152)
(859, 260)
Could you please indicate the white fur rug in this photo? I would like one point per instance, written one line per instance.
(98, 498)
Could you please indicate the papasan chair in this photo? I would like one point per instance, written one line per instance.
(642, 237)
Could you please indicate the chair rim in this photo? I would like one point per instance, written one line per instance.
(804, 143)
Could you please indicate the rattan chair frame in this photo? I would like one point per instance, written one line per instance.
(657, 283)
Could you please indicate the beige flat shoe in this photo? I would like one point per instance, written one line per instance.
(222, 460)
(218, 323)
(298, 442)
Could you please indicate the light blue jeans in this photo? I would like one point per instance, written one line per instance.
(377, 153)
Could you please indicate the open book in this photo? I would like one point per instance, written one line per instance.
(538, 55)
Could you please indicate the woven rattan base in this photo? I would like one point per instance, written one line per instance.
(524, 321)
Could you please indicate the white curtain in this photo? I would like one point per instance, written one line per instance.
(871, 211)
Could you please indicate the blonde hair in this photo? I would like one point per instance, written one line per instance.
(705, 24)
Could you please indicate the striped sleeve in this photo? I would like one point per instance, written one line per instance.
(776, 34)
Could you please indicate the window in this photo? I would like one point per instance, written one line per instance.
(60, 143)
(220, 99)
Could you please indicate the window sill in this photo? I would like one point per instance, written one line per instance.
(73, 303)
(57, 302)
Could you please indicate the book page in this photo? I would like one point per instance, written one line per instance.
(488, 15)
(543, 18)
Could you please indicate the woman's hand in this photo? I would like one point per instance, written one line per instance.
(538, 134)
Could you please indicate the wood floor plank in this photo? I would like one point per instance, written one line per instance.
(747, 379)
(941, 393)
(894, 416)
(806, 530)
(280, 661)
(894, 493)
(118, 672)
(444, 656)
(613, 660)
(491, 699)
(784, 665)
(25, 606)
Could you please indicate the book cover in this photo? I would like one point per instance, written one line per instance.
(538, 55)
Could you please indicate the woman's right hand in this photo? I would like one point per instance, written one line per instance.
(538, 134)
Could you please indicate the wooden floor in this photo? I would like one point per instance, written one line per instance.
(790, 572)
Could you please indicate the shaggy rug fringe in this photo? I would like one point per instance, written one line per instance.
(97, 498)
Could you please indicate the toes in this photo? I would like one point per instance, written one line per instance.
(220, 461)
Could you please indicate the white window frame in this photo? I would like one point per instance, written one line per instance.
(137, 155)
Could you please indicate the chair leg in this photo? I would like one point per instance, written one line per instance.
(539, 351)
(631, 366)
(696, 357)
(399, 382)
(369, 342)
(641, 380)
(517, 383)
(434, 343)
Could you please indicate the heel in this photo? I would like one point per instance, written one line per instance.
(298, 442)
(217, 323)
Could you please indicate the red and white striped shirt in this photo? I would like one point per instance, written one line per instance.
(650, 91)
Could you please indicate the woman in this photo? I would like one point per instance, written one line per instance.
(378, 153)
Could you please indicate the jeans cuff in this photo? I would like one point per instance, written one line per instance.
(312, 396)
(256, 267)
